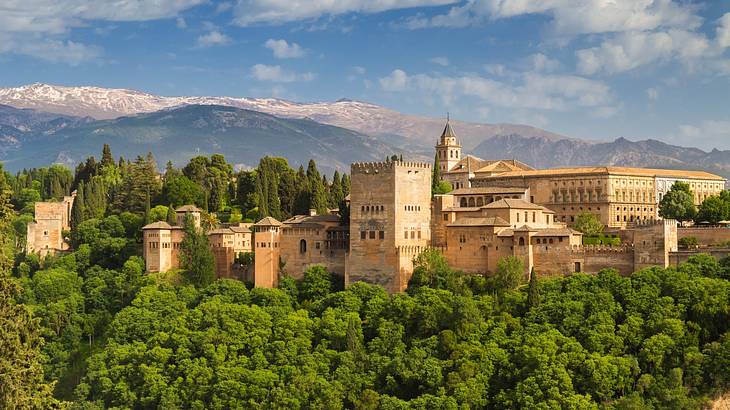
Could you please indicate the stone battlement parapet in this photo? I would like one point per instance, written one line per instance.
(376, 167)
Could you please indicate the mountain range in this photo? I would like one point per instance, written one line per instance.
(42, 123)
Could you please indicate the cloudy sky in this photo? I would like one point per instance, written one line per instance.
(595, 69)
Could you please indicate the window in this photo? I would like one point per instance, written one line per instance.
(381, 235)
(446, 217)
(362, 235)
(462, 202)
(522, 241)
(372, 234)
(405, 234)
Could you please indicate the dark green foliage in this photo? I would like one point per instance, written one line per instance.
(713, 210)
(78, 210)
(678, 203)
(21, 375)
(588, 223)
(687, 242)
(196, 258)
(533, 291)
(612, 240)
(180, 190)
(317, 283)
(509, 273)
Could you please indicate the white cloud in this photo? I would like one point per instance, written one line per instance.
(630, 50)
(652, 93)
(214, 38)
(40, 28)
(359, 70)
(249, 12)
(442, 61)
(276, 74)
(282, 49)
(712, 133)
(496, 69)
(530, 90)
(57, 51)
(181, 23)
(541, 62)
(570, 17)
(722, 35)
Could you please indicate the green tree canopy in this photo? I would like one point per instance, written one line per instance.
(678, 203)
(588, 223)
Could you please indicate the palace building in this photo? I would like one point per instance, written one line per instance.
(498, 209)
(618, 196)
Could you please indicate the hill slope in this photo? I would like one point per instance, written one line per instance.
(181, 133)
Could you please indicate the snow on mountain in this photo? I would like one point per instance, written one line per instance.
(414, 131)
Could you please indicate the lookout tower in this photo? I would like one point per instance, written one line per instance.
(448, 149)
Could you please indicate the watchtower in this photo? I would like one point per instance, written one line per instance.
(390, 216)
(448, 149)
(267, 239)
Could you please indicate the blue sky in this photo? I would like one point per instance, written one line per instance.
(597, 69)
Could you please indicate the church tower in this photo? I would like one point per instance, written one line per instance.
(448, 149)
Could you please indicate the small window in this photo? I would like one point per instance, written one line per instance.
(362, 234)
(381, 235)
(372, 234)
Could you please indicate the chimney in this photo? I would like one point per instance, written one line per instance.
(312, 212)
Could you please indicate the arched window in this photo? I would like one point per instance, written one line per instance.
(522, 241)
(471, 202)
(480, 201)
(462, 203)
(302, 246)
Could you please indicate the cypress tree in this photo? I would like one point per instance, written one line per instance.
(147, 209)
(78, 210)
(435, 175)
(318, 194)
(345, 185)
(533, 294)
(195, 256)
(106, 156)
(171, 217)
(336, 190)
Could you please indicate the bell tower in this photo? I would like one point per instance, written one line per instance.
(448, 149)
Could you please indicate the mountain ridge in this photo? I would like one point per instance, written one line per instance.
(364, 117)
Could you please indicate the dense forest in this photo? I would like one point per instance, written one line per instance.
(89, 330)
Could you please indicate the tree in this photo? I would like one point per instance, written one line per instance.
(509, 273)
(21, 375)
(713, 210)
(318, 190)
(171, 217)
(678, 203)
(317, 283)
(107, 159)
(588, 223)
(533, 293)
(180, 190)
(158, 213)
(196, 259)
(78, 210)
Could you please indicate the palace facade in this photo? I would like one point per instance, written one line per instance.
(499, 208)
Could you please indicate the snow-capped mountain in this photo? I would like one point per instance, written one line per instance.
(402, 129)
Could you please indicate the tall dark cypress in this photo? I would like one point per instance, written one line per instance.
(78, 209)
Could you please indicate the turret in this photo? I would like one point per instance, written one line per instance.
(448, 149)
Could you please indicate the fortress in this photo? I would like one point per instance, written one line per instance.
(498, 209)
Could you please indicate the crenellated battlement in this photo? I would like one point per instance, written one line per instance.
(601, 249)
(377, 167)
(653, 222)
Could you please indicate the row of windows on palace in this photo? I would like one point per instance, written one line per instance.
(535, 241)
(481, 201)
(414, 234)
(380, 208)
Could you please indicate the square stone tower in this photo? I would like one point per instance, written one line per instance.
(267, 239)
(390, 219)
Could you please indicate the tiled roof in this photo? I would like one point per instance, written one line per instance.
(221, 231)
(157, 225)
(488, 190)
(477, 221)
(515, 204)
(240, 229)
(268, 221)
